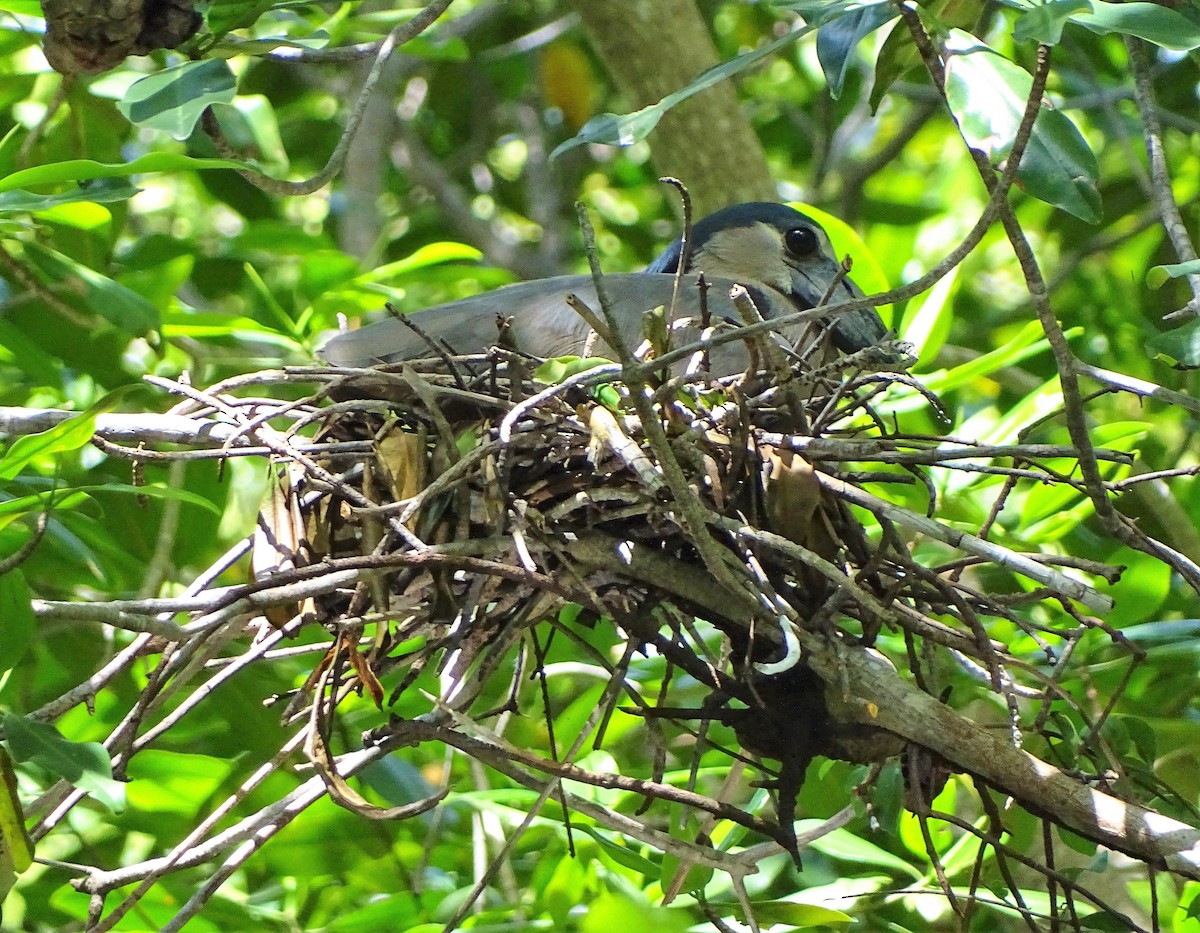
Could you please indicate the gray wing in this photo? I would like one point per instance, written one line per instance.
(543, 324)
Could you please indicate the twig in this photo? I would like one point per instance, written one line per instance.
(398, 36)
(1160, 177)
(970, 543)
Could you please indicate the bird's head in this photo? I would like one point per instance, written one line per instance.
(763, 244)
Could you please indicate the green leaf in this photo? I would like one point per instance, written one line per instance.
(820, 12)
(1149, 21)
(1075, 841)
(111, 300)
(399, 782)
(16, 848)
(608, 912)
(95, 191)
(174, 99)
(626, 129)
(987, 94)
(614, 129)
(10, 148)
(622, 855)
(16, 619)
(561, 368)
(1028, 341)
(81, 169)
(696, 879)
(225, 15)
(260, 119)
(1104, 922)
(70, 434)
(453, 49)
(162, 781)
(1179, 348)
(1060, 168)
(844, 845)
(150, 492)
(429, 255)
(382, 912)
(800, 916)
(897, 57)
(926, 323)
(1044, 22)
(12, 509)
(1143, 737)
(899, 54)
(1157, 276)
(838, 38)
(203, 325)
(607, 395)
(84, 764)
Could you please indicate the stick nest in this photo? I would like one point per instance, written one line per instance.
(480, 532)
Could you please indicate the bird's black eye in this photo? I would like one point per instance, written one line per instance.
(801, 241)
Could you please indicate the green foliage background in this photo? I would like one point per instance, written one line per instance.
(201, 271)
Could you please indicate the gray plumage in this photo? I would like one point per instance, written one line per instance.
(782, 257)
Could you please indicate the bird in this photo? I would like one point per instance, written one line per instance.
(783, 258)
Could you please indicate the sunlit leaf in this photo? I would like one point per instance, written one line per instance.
(1150, 21)
(848, 847)
(429, 255)
(264, 45)
(97, 191)
(166, 781)
(927, 320)
(67, 435)
(562, 368)
(1158, 276)
(75, 170)
(16, 848)
(383, 912)
(174, 99)
(987, 95)
(609, 912)
(800, 916)
(84, 764)
(1180, 347)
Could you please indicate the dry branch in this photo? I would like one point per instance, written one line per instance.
(462, 513)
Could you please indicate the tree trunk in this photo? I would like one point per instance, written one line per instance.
(652, 48)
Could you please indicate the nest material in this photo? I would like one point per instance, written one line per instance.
(491, 505)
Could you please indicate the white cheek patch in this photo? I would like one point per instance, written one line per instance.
(751, 255)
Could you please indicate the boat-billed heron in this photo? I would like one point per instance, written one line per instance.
(783, 258)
